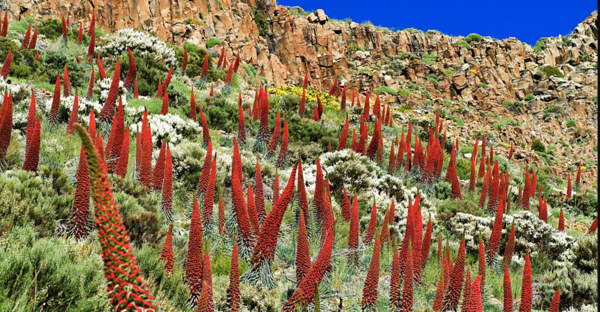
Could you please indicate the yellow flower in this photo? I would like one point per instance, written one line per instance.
(328, 102)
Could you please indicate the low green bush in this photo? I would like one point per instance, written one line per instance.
(448, 208)
(552, 71)
(463, 43)
(473, 37)
(483, 85)
(571, 123)
(212, 42)
(529, 97)
(385, 89)
(538, 146)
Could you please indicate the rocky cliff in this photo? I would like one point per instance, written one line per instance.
(424, 70)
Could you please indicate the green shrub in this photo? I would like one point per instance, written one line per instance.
(51, 28)
(448, 208)
(463, 43)
(553, 109)
(431, 56)
(407, 55)
(571, 123)
(385, 89)
(442, 190)
(212, 42)
(23, 64)
(366, 70)
(195, 61)
(552, 71)
(457, 120)
(403, 92)
(529, 97)
(427, 61)
(149, 72)
(261, 22)
(435, 82)
(483, 85)
(540, 44)
(448, 72)
(473, 37)
(595, 100)
(538, 146)
(79, 73)
(434, 32)
(413, 30)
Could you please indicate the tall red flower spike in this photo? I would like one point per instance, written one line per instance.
(353, 143)
(204, 66)
(455, 284)
(91, 46)
(593, 227)
(259, 198)
(353, 237)
(510, 246)
(241, 122)
(275, 138)
(31, 120)
(251, 209)
(417, 237)
(578, 179)
(395, 296)
(32, 155)
(64, 28)
(205, 302)
(131, 73)
(264, 252)
(115, 139)
(111, 100)
(159, 168)
(372, 224)
(239, 205)
(363, 131)
(229, 74)
(569, 187)
(233, 292)
(146, 159)
(90, 91)
(159, 93)
(305, 84)
(205, 131)
(220, 62)
(494, 190)
(124, 157)
(344, 137)
(472, 177)
(236, 65)
(495, 237)
(302, 201)
(392, 161)
(125, 286)
(508, 300)
(467, 292)
(66, 81)
(377, 107)
(4, 28)
(526, 190)
(25, 42)
(53, 118)
(185, 60)
(526, 286)
(555, 304)
(193, 270)
(72, 118)
(481, 263)
(165, 104)
(206, 168)
(165, 84)
(138, 152)
(369, 300)
(475, 304)
(284, 145)
(305, 292)
(209, 197)
(167, 189)
(438, 301)
(372, 149)
(407, 292)
(315, 115)
(167, 251)
(346, 214)
(302, 251)
(408, 234)
(101, 68)
(193, 106)
(484, 190)
(33, 41)
(80, 213)
(365, 113)
(343, 101)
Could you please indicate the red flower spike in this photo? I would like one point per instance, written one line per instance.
(6, 125)
(372, 224)
(55, 102)
(510, 153)
(165, 104)
(193, 106)
(32, 156)
(124, 279)
(284, 145)
(64, 28)
(165, 84)
(526, 287)
(205, 131)
(31, 121)
(167, 189)
(206, 168)
(159, 93)
(555, 304)
(353, 237)
(236, 65)
(319, 106)
(315, 115)
(407, 292)
(72, 118)
(80, 35)
(90, 91)
(353, 143)
(111, 100)
(455, 285)
(467, 292)
(508, 300)
(229, 74)
(212, 90)
(380, 150)
(472, 177)
(395, 297)
(439, 295)
(124, 157)
(484, 191)
(185, 60)
(302, 201)
(494, 190)
(251, 208)
(80, 213)
(25, 42)
(220, 62)
(569, 187)
(159, 168)
(92, 25)
(302, 251)
(241, 122)
(138, 152)
(259, 198)
(4, 25)
(526, 190)
(193, 269)
(146, 159)
(391, 161)
(408, 234)
(239, 205)
(131, 73)
(233, 292)
(578, 179)
(510, 246)
(167, 251)
(495, 237)
(593, 227)
(344, 137)
(372, 149)
(417, 237)
(204, 66)
(377, 107)
(346, 206)
(101, 68)
(275, 137)
(333, 87)
(305, 80)
(482, 263)
(66, 81)
(343, 101)
(33, 42)
(475, 304)
(369, 299)
(92, 126)
(115, 139)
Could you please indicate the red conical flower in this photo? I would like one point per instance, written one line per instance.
(259, 198)
(159, 168)
(55, 102)
(344, 137)
(80, 34)
(407, 292)
(510, 153)
(233, 292)
(131, 73)
(495, 237)
(494, 190)
(467, 293)
(31, 121)
(167, 251)
(204, 66)
(165, 104)
(205, 302)
(315, 115)
(439, 294)
(555, 304)
(578, 179)
(146, 159)
(205, 131)
(193, 269)
(395, 297)
(159, 93)
(32, 155)
(472, 177)
(569, 187)
(372, 149)
(66, 81)
(527, 287)
(346, 207)
(165, 84)
(72, 118)
(353, 236)
(167, 189)
(372, 224)
(481, 263)
(108, 110)
(206, 168)
(484, 190)
(284, 145)
(526, 190)
(90, 54)
(369, 299)
(64, 28)
(115, 139)
(239, 205)
(220, 62)
(251, 209)
(510, 246)
(593, 227)
(455, 285)
(33, 41)
(475, 304)
(124, 157)
(124, 278)
(302, 200)
(25, 42)
(229, 74)
(101, 68)
(302, 251)
(391, 161)
(80, 213)
(377, 107)
(508, 300)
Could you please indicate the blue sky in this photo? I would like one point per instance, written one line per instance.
(526, 20)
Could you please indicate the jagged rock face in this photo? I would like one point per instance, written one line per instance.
(481, 78)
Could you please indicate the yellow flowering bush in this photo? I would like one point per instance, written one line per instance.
(329, 102)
